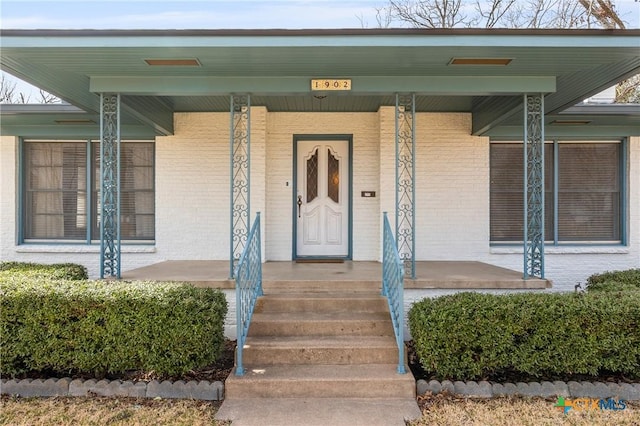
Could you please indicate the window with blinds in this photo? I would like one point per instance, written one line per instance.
(582, 202)
(56, 205)
(55, 196)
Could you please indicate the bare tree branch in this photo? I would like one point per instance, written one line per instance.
(493, 11)
(7, 91)
(429, 13)
(628, 91)
(47, 98)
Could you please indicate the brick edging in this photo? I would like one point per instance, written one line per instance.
(597, 390)
(202, 390)
(214, 391)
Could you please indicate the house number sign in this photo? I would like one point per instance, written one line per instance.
(330, 84)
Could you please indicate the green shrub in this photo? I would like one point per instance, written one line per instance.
(471, 336)
(101, 327)
(59, 271)
(628, 280)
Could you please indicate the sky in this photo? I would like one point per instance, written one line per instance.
(207, 14)
(202, 14)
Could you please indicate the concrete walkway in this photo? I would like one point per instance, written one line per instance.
(318, 412)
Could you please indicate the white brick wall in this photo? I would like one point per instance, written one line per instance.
(8, 159)
(192, 188)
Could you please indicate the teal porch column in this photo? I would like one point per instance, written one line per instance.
(109, 185)
(240, 192)
(405, 181)
(533, 186)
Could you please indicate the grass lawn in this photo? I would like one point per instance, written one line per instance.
(106, 411)
(440, 410)
(448, 410)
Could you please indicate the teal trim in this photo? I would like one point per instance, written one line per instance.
(20, 196)
(294, 191)
(276, 38)
(479, 85)
(350, 249)
(568, 132)
(72, 131)
(89, 189)
(556, 188)
(624, 194)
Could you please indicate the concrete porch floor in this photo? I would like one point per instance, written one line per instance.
(429, 274)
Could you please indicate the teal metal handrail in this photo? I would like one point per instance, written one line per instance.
(248, 276)
(393, 287)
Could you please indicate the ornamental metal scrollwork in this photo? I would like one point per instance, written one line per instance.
(240, 176)
(109, 185)
(534, 187)
(405, 180)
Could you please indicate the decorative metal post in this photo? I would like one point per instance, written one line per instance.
(534, 186)
(405, 181)
(240, 144)
(109, 185)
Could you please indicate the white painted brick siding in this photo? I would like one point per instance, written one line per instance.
(8, 211)
(192, 188)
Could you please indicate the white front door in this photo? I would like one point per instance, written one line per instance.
(322, 198)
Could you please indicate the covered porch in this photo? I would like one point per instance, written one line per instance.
(460, 275)
(415, 113)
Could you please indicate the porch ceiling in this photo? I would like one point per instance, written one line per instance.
(276, 66)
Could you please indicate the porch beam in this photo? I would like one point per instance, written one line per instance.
(240, 191)
(533, 186)
(150, 111)
(364, 85)
(110, 185)
(405, 181)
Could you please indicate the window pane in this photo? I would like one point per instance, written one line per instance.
(55, 190)
(333, 177)
(137, 191)
(312, 177)
(589, 192)
(506, 191)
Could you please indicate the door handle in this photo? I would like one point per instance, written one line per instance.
(299, 204)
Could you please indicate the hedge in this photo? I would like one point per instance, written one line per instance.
(470, 336)
(101, 327)
(628, 280)
(58, 271)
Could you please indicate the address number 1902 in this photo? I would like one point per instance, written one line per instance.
(329, 84)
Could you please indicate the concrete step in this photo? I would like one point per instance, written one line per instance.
(319, 411)
(315, 350)
(321, 324)
(321, 381)
(322, 302)
(320, 286)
